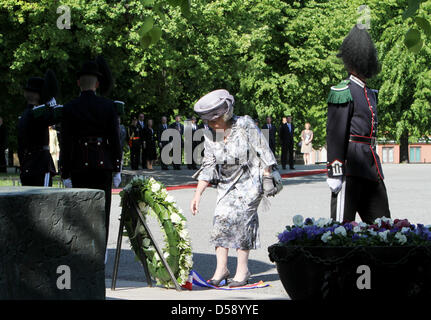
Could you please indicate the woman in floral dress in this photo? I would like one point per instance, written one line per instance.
(238, 159)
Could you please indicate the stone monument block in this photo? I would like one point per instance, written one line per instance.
(52, 243)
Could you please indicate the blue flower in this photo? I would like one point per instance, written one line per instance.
(348, 227)
(355, 237)
(309, 221)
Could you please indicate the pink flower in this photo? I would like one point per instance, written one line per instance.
(401, 223)
(354, 223)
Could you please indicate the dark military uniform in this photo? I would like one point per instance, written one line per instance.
(90, 144)
(36, 165)
(351, 140)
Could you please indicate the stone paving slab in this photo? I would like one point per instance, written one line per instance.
(409, 192)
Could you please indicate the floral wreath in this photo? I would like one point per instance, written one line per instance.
(153, 200)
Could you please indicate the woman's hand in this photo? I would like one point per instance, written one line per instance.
(194, 205)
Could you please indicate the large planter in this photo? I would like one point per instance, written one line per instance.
(332, 272)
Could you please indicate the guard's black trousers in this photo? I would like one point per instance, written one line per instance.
(366, 197)
(40, 180)
(97, 179)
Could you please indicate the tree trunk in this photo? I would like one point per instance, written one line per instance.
(404, 147)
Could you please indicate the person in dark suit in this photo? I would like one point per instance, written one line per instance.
(286, 134)
(90, 145)
(150, 142)
(36, 164)
(162, 127)
(134, 138)
(194, 128)
(142, 128)
(355, 174)
(3, 146)
(272, 130)
(177, 125)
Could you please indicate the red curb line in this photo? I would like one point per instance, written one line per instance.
(284, 175)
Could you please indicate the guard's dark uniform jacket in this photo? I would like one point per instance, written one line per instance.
(352, 130)
(37, 167)
(90, 135)
(351, 151)
(90, 146)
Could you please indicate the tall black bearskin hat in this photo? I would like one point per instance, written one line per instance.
(359, 53)
(106, 81)
(34, 84)
(50, 86)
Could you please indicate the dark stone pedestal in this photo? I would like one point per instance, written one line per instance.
(42, 229)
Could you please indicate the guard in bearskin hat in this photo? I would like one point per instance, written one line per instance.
(37, 167)
(355, 175)
(90, 145)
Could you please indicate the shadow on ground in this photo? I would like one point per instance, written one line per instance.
(132, 270)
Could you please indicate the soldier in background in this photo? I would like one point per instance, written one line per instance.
(355, 174)
(90, 144)
(36, 165)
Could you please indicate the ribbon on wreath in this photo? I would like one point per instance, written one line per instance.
(196, 279)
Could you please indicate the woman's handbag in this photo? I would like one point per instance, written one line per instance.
(276, 179)
(275, 174)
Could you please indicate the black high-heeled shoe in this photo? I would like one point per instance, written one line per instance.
(216, 282)
(234, 283)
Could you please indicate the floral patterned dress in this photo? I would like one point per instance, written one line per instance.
(236, 166)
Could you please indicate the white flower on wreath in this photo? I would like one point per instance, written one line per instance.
(326, 236)
(401, 238)
(298, 220)
(170, 199)
(340, 230)
(155, 186)
(175, 218)
(184, 234)
(189, 261)
(384, 235)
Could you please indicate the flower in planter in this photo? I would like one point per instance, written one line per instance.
(298, 220)
(383, 232)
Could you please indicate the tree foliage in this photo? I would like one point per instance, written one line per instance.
(277, 57)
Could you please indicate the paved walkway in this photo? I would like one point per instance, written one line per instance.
(409, 191)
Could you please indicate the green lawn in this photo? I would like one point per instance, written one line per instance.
(12, 179)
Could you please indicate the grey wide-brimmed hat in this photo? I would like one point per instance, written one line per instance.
(215, 104)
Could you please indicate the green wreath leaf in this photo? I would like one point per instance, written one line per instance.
(153, 199)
